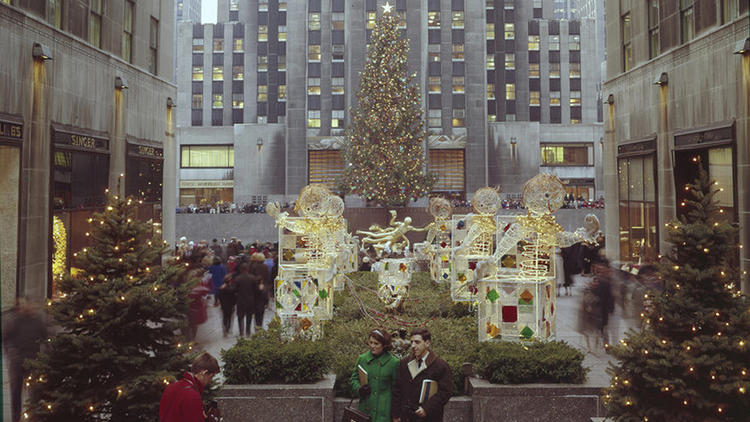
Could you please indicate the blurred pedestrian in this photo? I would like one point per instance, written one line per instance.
(259, 270)
(247, 289)
(598, 303)
(218, 272)
(22, 334)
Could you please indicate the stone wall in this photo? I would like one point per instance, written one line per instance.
(251, 227)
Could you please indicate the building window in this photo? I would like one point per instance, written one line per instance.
(719, 163)
(313, 53)
(313, 119)
(458, 19)
(653, 28)
(313, 86)
(401, 19)
(566, 155)
(435, 118)
(533, 42)
(337, 119)
(238, 100)
(433, 52)
(54, 13)
(554, 70)
(262, 5)
(282, 32)
(459, 117)
(490, 91)
(237, 46)
(575, 70)
(533, 70)
(637, 206)
(433, 84)
(687, 20)
(326, 167)
(554, 43)
(153, 46)
(574, 42)
(197, 73)
(627, 48)
(510, 61)
(729, 10)
(197, 101)
(218, 45)
(337, 21)
(234, 5)
(313, 21)
(281, 63)
(534, 98)
(510, 31)
(282, 93)
(238, 72)
(458, 84)
(337, 86)
(490, 31)
(433, 19)
(337, 52)
(262, 32)
(218, 101)
(262, 63)
(554, 98)
(448, 165)
(207, 156)
(575, 98)
(198, 45)
(282, 6)
(262, 93)
(491, 118)
(218, 73)
(490, 61)
(127, 32)
(458, 51)
(372, 17)
(510, 91)
(95, 23)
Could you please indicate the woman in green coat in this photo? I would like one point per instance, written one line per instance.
(379, 368)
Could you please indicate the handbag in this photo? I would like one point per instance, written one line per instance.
(352, 414)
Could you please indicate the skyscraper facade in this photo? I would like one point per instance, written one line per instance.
(505, 87)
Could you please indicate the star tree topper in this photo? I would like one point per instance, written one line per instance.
(387, 8)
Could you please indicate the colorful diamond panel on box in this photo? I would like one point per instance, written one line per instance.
(516, 309)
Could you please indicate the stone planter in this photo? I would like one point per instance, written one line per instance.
(534, 402)
(278, 402)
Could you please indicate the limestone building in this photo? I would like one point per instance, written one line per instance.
(86, 97)
(264, 94)
(678, 75)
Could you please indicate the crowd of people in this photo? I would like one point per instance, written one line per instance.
(224, 208)
(238, 278)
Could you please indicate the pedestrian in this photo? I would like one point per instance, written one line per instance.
(271, 264)
(228, 299)
(197, 308)
(181, 400)
(598, 303)
(218, 272)
(22, 334)
(217, 249)
(421, 364)
(247, 288)
(378, 367)
(259, 270)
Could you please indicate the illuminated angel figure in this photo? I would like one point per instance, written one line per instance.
(542, 195)
(590, 233)
(390, 238)
(482, 227)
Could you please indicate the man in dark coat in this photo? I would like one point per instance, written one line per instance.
(421, 364)
(247, 292)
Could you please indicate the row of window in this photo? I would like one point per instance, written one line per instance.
(238, 99)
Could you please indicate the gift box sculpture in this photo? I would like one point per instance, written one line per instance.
(518, 301)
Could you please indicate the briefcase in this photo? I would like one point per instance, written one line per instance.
(351, 414)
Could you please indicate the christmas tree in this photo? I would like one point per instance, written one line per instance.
(384, 141)
(117, 348)
(690, 360)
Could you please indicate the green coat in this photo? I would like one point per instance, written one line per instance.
(381, 375)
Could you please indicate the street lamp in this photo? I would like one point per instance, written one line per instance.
(121, 82)
(742, 47)
(610, 99)
(41, 52)
(171, 103)
(662, 80)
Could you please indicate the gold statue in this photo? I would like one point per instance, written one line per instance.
(390, 238)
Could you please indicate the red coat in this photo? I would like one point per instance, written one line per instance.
(181, 401)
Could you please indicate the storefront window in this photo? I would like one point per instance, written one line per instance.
(637, 206)
(80, 178)
(719, 164)
(144, 179)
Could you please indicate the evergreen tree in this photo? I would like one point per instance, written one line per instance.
(690, 360)
(117, 348)
(384, 141)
